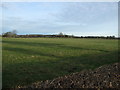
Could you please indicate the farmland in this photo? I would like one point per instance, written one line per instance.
(28, 60)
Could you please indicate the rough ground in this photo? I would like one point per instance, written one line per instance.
(106, 76)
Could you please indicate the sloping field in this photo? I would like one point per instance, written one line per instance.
(28, 60)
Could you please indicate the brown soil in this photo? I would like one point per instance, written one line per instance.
(106, 76)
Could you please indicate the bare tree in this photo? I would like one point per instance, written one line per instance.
(60, 33)
(10, 34)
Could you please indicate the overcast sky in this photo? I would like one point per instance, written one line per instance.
(77, 18)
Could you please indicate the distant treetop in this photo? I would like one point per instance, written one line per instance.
(60, 33)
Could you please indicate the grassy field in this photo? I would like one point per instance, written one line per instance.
(28, 60)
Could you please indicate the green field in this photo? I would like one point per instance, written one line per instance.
(28, 60)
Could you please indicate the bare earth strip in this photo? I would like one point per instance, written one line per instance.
(106, 76)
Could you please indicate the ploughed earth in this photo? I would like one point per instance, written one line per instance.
(106, 76)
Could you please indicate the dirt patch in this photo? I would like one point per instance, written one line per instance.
(106, 76)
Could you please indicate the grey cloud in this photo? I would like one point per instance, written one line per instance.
(36, 26)
(87, 12)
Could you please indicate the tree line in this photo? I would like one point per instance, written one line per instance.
(60, 35)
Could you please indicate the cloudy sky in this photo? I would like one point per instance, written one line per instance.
(77, 18)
